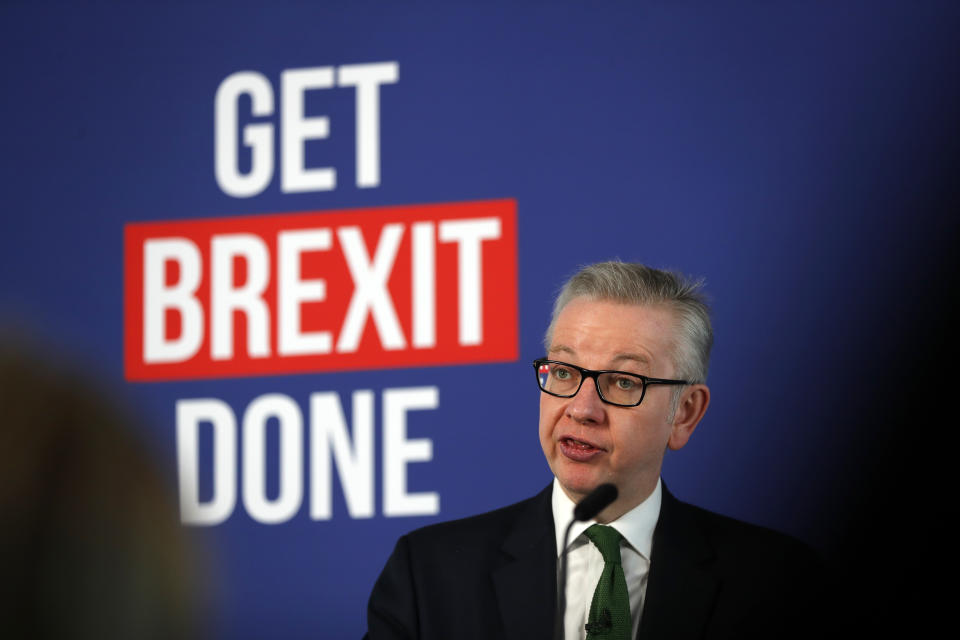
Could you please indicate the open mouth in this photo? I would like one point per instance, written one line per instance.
(579, 444)
(578, 450)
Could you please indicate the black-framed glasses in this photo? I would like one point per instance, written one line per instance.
(619, 388)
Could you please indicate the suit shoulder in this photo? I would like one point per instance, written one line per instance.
(742, 540)
(477, 529)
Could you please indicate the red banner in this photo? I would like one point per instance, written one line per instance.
(376, 288)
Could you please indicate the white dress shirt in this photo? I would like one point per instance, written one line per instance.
(585, 564)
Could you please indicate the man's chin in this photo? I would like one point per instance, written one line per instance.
(578, 489)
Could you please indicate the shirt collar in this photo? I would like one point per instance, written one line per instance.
(636, 525)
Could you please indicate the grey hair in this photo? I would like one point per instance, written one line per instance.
(632, 283)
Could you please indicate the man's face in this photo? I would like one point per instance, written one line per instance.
(588, 442)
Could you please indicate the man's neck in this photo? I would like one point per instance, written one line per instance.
(624, 502)
(647, 511)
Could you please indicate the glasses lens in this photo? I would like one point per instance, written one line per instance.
(558, 378)
(621, 388)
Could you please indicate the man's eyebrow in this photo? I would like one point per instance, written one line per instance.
(562, 348)
(638, 358)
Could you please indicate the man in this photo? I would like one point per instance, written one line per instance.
(623, 379)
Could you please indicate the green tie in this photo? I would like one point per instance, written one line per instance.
(610, 609)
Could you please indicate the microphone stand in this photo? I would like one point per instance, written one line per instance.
(587, 509)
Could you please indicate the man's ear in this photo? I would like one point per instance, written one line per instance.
(693, 404)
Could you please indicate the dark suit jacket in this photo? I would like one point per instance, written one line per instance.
(494, 576)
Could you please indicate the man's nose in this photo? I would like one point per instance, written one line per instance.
(586, 406)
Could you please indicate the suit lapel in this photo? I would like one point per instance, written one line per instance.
(681, 588)
(526, 580)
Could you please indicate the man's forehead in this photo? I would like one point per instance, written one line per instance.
(561, 349)
(616, 331)
(658, 318)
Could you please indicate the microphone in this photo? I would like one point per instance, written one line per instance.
(595, 502)
(587, 509)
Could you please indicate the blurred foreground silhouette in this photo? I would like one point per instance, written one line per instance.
(90, 540)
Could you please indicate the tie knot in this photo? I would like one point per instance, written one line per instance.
(607, 540)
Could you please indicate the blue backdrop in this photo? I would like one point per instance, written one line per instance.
(799, 156)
